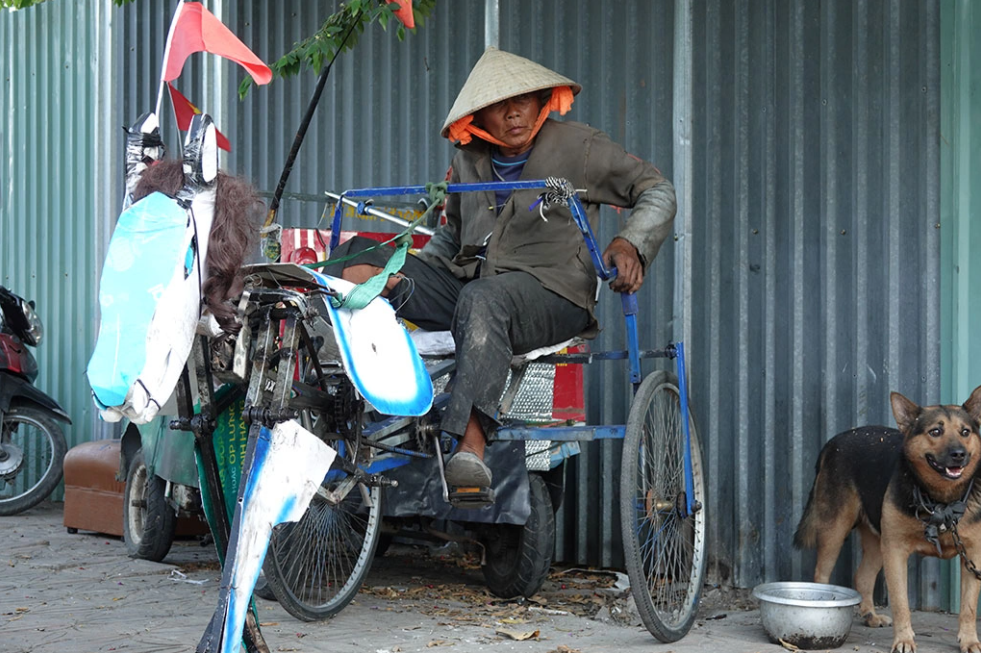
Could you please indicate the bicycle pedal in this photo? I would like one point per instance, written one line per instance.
(471, 498)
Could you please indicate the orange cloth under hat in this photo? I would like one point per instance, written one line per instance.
(463, 130)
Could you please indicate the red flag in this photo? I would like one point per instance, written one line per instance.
(195, 29)
(185, 111)
(404, 12)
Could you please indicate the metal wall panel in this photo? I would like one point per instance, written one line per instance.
(960, 201)
(815, 218)
(50, 57)
(960, 207)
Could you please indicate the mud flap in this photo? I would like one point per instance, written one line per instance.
(285, 466)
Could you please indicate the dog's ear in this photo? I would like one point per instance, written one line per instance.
(904, 410)
(973, 404)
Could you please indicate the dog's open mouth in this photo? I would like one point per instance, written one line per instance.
(949, 472)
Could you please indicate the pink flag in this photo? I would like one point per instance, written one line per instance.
(196, 29)
(404, 12)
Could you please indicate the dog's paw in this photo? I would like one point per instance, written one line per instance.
(971, 646)
(903, 645)
(873, 620)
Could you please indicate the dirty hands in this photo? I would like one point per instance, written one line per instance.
(630, 271)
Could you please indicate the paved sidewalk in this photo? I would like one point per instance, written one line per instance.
(63, 593)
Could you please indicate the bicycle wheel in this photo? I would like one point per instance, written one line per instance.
(32, 455)
(316, 566)
(663, 547)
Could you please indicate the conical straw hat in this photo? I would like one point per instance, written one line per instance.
(498, 75)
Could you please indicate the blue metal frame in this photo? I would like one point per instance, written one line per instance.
(630, 310)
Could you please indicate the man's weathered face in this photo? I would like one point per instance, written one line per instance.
(511, 121)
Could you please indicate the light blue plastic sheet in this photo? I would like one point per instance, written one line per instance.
(146, 249)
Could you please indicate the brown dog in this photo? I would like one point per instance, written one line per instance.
(906, 491)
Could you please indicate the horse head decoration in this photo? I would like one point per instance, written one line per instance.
(151, 290)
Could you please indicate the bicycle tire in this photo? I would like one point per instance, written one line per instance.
(317, 565)
(40, 456)
(149, 521)
(664, 552)
(519, 557)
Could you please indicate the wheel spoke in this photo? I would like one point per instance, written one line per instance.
(320, 562)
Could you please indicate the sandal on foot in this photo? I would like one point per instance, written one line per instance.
(466, 469)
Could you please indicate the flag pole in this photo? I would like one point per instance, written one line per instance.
(163, 62)
(302, 129)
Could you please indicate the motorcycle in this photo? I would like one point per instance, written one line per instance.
(32, 444)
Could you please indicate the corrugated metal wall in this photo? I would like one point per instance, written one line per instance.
(960, 207)
(960, 201)
(815, 218)
(814, 200)
(51, 58)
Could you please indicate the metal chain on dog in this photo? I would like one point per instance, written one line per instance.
(962, 552)
(939, 518)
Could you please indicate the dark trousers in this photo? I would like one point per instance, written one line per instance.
(491, 318)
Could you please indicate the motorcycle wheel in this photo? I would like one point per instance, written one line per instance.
(32, 455)
(149, 522)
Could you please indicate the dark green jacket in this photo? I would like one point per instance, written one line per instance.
(552, 250)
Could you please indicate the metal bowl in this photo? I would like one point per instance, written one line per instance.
(807, 615)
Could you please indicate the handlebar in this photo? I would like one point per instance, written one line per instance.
(558, 191)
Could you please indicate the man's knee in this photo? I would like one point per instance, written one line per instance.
(479, 302)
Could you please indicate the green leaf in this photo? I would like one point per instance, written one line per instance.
(243, 88)
(350, 21)
(19, 4)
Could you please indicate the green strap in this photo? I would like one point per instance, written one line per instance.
(362, 294)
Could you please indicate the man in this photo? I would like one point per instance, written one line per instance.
(506, 278)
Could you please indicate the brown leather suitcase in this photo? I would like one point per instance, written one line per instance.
(93, 496)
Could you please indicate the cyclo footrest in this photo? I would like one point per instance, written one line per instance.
(471, 497)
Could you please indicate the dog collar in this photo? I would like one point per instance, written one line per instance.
(938, 518)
